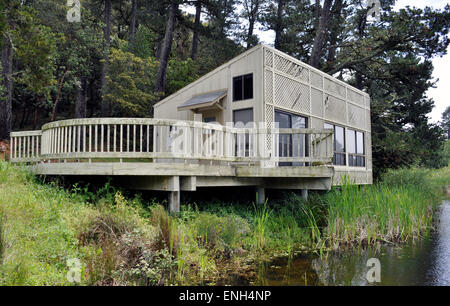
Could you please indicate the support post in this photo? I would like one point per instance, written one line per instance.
(305, 194)
(174, 195)
(174, 201)
(260, 195)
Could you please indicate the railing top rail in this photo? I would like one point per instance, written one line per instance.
(138, 121)
(180, 123)
(26, 133)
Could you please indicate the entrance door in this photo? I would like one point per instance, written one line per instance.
(291, 145)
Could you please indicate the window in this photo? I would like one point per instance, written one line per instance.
(292, 145)
(243, 87)
(209, 120)
(356, 156)
(339, 144)
(243, 118)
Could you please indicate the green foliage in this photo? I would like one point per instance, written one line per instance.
(180, 73)
(220, 232)
(446, 122)
(130, 84)
(122, 241)
(35, 50)
(397, 209)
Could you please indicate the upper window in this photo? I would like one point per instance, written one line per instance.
(356, 149)
(339, 145)
(243, 87)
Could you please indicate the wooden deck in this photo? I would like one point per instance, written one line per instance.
(174, 155)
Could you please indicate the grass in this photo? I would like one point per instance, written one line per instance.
(127, 241)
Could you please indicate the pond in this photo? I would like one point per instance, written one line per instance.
(420, 262)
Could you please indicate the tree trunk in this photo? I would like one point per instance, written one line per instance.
(36, 114)
(198, 13)
(133, 23)
(361, 32)
(61, 82)
(321, 32)
(279, 24)
(6, 99)
(337, 8)
(80, 104)
(166, 49)
(251, 27)
(105, 107)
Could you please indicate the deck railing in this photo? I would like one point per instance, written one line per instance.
(116, 139)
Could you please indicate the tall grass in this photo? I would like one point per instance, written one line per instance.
(126, 241)
(2, 237)
(261, 217)
(397, 209)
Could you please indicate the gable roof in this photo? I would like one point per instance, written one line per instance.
(246, 53)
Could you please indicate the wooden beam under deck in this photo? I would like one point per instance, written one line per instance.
(174, 169)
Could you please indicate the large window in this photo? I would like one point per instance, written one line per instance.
(243, 118)
(356, 149)
(243, 87)
(292, 145)
(339, 145)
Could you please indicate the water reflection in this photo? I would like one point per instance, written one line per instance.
(440, 273)
(421, 262)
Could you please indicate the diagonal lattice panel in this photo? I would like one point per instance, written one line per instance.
(316, 80)
(291, 94)
(356, 115)
(268, 86)
(268, 58)
(334, 88)
(293, 69)
(335, 109)
(317, 102)
(355, 97)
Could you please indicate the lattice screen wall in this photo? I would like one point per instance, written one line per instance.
(295, 87)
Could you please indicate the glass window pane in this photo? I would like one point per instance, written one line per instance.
(299, 122)
(360, 143)
(351, 142)
(209, 120)
(237, 89)
(248, 87)
(340, 139)
(283, 120)
(328, 126)
(243, 117)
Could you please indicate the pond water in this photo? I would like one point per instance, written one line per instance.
(421, 262)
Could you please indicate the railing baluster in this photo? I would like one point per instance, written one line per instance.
(121, 137)
(108, 138)
(96, 138)
(140, 138)
(148, 138)
(134, 137)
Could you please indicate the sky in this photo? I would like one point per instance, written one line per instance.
(440, 94)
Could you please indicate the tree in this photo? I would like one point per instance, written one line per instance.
(105, 107)
(130, 83)
(7, 23)
(196, 34)
(166, 48)
(446, 122)
(252, 10)
(133, 21)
